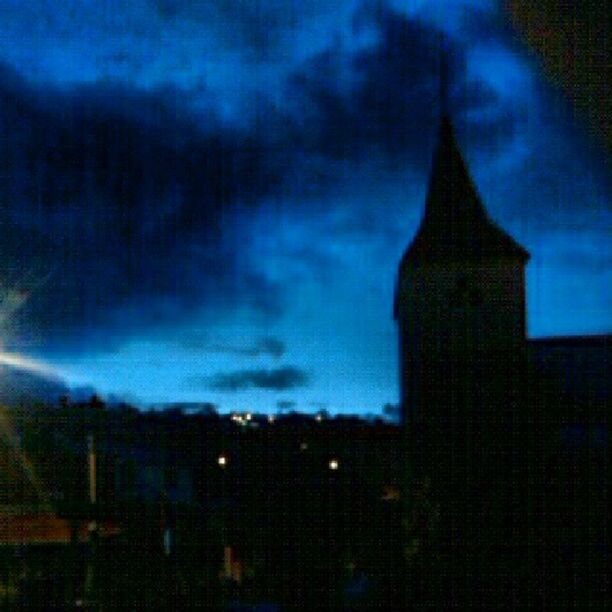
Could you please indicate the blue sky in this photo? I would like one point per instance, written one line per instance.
(197, 192)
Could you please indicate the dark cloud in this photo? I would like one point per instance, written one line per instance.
(256, 27)
(384, 99)
(120, 202)
(168, 9)
(285, 405)
(270, 346)
(574, 51)
(278, 379)
(122, 205)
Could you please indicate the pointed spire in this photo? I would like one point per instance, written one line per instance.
(452, 194)
(456, 226)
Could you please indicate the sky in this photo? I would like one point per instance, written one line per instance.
(206, 200)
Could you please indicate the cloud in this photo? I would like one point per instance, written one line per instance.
(258, 27)
(123, 202)
(574, 51)
(269, 346)
(286, 405)
(384, 100)
(279, 379)
(133, 203)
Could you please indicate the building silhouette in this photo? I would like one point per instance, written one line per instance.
(488, 414)
(460, 301)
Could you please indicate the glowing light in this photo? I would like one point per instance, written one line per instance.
(238, 419)
(304, 446)
(271, 418)
(248, 416)
(25, 363)
(222, 460)
(334, 464)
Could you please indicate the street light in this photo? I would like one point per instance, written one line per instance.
(222, 461)
(334, 464)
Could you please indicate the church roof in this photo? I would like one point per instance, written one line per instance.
(456, 226)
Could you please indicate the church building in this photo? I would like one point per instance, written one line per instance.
(460, 301)
(485, 409)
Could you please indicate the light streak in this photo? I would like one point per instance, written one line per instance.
(27, 363)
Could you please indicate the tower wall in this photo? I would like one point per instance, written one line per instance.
(460, 308)
(462, 338)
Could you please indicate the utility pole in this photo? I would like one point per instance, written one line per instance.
(92, 528)
(91, 462)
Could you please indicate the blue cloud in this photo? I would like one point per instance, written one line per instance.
(280, 379)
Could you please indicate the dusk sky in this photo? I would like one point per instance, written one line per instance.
(206, 200)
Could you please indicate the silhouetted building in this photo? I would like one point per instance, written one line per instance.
(481, 404)
(460, 302)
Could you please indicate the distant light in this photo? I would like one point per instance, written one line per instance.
(248, 416)
(304, 446)
(390, 493)
(334, 464)
(271, 418)
(319, 418)
(222, 460)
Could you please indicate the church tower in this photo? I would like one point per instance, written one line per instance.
(460, 310)
(459, 303)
